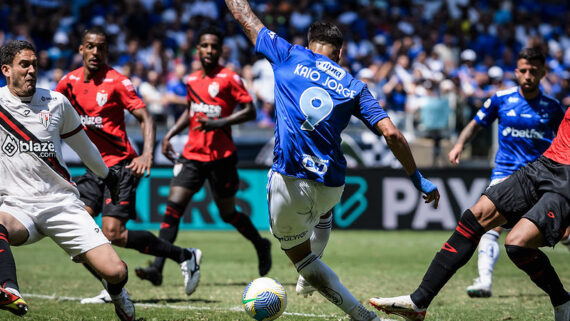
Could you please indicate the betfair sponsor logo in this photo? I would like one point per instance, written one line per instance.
(523, 133)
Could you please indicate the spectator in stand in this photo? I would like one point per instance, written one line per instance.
(175, 97)
(152, 92)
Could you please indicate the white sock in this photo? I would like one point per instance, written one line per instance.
(488, 256)
(320, 236)
(322, 278)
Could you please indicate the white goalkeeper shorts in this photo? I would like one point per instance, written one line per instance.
(62, 217)
(295, 206)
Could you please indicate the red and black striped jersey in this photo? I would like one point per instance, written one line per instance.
(100, 103)
(31, 162)
(214, 95)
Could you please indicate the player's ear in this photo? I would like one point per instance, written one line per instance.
(6, 70)
(339, 54)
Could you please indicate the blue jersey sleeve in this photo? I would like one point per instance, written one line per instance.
(273, 47)
(489, 112)
(369, 112)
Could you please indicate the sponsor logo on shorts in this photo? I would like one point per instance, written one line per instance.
(287, 238)
(550, 214)
(11, 145)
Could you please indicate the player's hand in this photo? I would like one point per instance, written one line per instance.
(112, 181)
(168, 151)
(433, 196)
(455, 155)
(140, 165)
(426, 187)
(207, 124)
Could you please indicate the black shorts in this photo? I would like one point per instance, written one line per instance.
(538, 192)
(221, 174)
(95, 194)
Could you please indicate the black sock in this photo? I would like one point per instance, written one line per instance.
(454, 254)
(536, 264)
(8, 277)
(147, 243)
(169, 228)
(116, 288)
(243, 224)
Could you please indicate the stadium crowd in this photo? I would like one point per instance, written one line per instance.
(444, 57)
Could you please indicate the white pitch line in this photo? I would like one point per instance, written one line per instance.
(180, 307)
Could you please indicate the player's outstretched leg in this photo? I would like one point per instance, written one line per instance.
(11, 300)
(537, 265)
(319, 240)
(243, 224)
(168, 232)
(114, 274)
(401, 305)
(124, 307)
(488, 255)
(191, 270)
(320, 276)
(562, 312)
(454, 254)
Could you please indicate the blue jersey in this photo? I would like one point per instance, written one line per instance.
(526, 127)
(314, 100)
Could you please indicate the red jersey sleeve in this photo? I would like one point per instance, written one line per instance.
(238, 91)
(62, 86)
(128, 95)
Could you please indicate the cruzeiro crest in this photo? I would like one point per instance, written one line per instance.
(45, 118)
(214, 89)
(102, 98)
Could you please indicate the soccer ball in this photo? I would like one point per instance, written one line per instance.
(264, 299)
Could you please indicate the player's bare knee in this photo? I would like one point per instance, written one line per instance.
(115, 236)
(114, 272)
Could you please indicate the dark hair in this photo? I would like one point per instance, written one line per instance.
(324, 31)
(531, 54)
(211, 30)
(11, 49)
(96, 30)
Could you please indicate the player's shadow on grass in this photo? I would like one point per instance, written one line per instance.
(175, 300)
(523, 295)
(236, 284)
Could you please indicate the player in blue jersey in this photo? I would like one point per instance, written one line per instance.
(528, 121)
(533, 200)
(314, 101)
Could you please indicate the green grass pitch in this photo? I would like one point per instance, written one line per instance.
(369, 263)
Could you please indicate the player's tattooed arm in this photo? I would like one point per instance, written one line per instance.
(249, 22)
